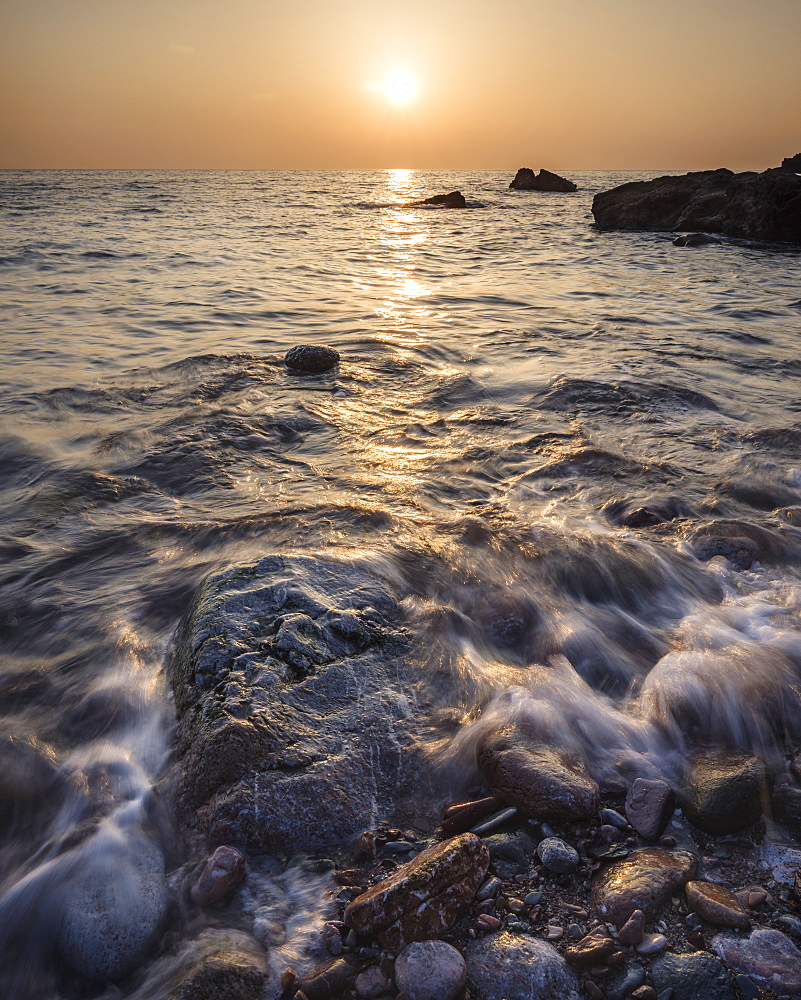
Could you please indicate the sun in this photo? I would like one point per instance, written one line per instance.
(400, 87)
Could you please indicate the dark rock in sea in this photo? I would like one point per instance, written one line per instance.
(224, 870)
(311, 358)
(526, 180)
(423, 898)
(544, 782)
(741, 542)
(766, 956)
(645, 880)
(430, 970)
(649, 806)
(724, 792)
(232, 968)
(454, 199)
(693, 976)
(764, 206)
(515, 967)
(694, 240)
(792, 163)
(275, 750)
(115, 901)
(716, 904)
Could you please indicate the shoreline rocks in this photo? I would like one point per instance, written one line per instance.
(526, 180)
(724, 793)
(760, 206)
(643, 881)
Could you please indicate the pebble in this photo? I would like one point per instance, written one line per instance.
(311, 358)
(398, 846)
(791, 924)
(757, 897)
(577, 911)
(490, 889)
(332, 939)
(223, 872)
(747, 987)
(589, 950)
(498, 819)
(486, 922)
(652, 944)
(554, 933)
(533, 898)
(515, 905)
(613, 817)
(593, 991)
(644, 993)
(626, 982)
(557, 856)
(366, 846)
(633, 931)
(716, 904)
(574, 932)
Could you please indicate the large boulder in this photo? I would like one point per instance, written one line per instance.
(764, 206)
(294, 694)
(526, 180)
(423, 898)
(544, 782)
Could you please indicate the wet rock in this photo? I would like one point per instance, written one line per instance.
(626, 982)
(29, 770)
(311, 358)
(330, 979)
(785, 804)
(275, 751)
(423, 898)
(114, 904)
(652, 944)
(371, 983)
(510, 853)
(766, 956)
(544, 782)
(232, 969)
(764, 206)
(649, 806)
(716, 904)
(741, 542)
(557, 856)
(430, 970)
(694, 976)
(724, 793)
(592, 949)
(694, 240)
(633, 931)
(645, 880)
(461, 816)
(526, 180)
(513, 967)
(224, 870)
(453, 199)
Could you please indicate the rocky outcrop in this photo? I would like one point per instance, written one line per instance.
(526, 180)
(792, 163)
(453, 199)
(643, 881)
(311, 358)
(764, 206)
(293, 696)
(423, 898)
(724, 793)
(545, 783)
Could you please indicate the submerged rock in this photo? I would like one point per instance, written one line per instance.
(224, 870)
(694, 240)
(764, 206)
(293, 694)
(225, 965)
(724, 793)
(767, 956)
(526, 180)
(645, 880)
(430, 970)
(423, 898)
(113, 905)
(454, 199)
(312, 358)
(512, 967)
(544, 782)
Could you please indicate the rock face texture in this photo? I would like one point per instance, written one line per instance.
(545, 783)
(526, 180)
(425, 897)
(767, 956)
(764, 206)
(293, 698)
(311, 358)
(645, 880)
(513, 967)
(724, 793)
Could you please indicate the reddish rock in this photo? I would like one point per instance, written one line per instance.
(645, 880)
(633, 931)
(461, 816)
(329, 980)
(716, 904)
(423, 898)
(649, 806)
(590, 950)
(224, 870)
(545, 783)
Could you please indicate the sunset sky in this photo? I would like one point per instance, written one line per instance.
(585, 84)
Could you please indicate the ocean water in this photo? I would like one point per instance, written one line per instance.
(595, 438)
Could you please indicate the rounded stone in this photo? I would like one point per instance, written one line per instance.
(313, 358)
(517, 967)
(557, 856)
(430, 970)
(224, 870)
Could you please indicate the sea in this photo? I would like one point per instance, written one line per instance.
(599, 428)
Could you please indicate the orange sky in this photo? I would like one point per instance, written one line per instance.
(583, 84)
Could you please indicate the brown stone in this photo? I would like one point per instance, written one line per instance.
(649, 806)
(423, 898)
(590, 950)
(645, 880)
(716, 904)
(633, 931)
(461, 816)
(224, 870)
(545, 783)
(330, 979)
(724, 793)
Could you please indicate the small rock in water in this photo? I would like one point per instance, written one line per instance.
(557, 856)
(224, 870)
(724, 793)
(430, 970)
(312, 358)
(716, 904)
(649, 806)
(694, 240)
